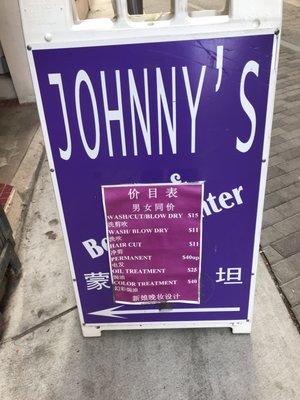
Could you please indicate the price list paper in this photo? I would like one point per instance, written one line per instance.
(154, 233)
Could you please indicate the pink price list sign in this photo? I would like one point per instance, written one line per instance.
(154, 233)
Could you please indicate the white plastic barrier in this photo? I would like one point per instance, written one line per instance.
(157, 135)
(55, 22)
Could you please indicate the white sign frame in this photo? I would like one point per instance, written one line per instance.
(244, 19)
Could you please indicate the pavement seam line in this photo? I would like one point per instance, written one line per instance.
(291, 281)
(290, 46)
(40, 325)
(281, 293)
(285, 236)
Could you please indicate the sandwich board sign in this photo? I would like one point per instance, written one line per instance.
(158, 147)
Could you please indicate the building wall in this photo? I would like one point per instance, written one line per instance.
(12, 40)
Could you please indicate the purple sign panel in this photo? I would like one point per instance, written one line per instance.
(159, 113)
(154, 235)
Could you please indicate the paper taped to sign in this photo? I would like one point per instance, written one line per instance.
(154, 234)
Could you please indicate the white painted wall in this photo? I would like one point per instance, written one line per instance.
(12, 40)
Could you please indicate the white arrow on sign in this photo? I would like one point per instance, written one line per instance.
(115, 312)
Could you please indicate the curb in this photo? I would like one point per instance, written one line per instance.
(23, 183)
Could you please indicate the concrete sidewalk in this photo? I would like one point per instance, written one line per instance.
(281, 234)
(46, 357)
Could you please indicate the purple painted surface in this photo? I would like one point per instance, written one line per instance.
(228, 233)
(161, 227)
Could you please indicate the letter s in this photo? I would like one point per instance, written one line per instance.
(243, 147)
